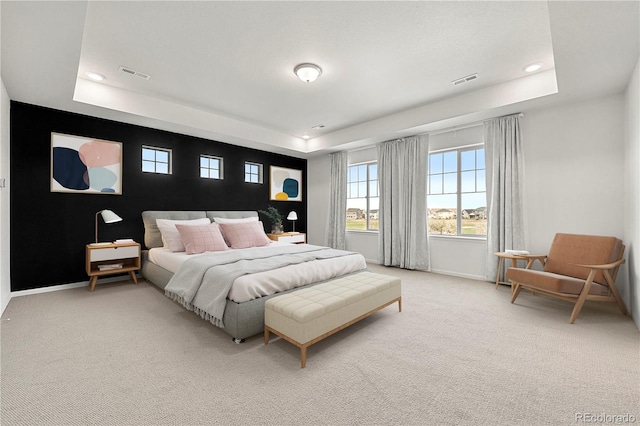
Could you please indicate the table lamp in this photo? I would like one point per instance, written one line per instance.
(109, 217)
(293, 216)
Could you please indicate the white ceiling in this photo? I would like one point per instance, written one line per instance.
(224, 70)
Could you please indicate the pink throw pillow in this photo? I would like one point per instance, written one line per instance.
(245, 234)
(201, 238)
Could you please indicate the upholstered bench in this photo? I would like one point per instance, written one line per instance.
(306, 316)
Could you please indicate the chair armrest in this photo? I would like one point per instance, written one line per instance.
(603, 267)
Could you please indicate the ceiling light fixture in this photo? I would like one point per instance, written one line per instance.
(95, 76)
(307, 72)
(318, 127)
(533, 67)
(305, 136)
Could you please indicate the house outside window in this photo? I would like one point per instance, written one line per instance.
(456, 192)
(210, 167)
(252, 172)
(156, 160)
(362, 197)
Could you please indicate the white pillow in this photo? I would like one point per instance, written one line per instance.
(229, 220)
(170, 235)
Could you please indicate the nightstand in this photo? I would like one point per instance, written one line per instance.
(289, 237)
(109, 259)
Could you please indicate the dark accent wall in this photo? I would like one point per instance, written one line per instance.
(49, 230)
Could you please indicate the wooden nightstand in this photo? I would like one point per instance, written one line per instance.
(109, 259)
(289, 237)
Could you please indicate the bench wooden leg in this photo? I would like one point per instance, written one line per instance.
(266, 336)
(400, 304)
(303, 356)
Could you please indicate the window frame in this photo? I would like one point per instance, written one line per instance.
(368, 196)
(155, 162)
(220, 169)
(459, 192)
(260, 173)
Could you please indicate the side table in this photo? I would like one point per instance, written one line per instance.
(108, 259)
(514, 264)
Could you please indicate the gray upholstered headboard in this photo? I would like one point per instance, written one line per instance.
(152, 237)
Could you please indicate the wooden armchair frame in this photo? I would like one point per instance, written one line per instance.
(609, 271)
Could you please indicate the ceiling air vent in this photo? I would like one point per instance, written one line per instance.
(135, 73)
(464, 79)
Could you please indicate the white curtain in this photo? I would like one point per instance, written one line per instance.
(505, 193)
(402, 180)
(337, 218)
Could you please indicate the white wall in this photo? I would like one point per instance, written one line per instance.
(5, 281)
(574, 178)
(632, 192)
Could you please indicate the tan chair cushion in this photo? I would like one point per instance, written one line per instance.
(552, 282)
(570, 249)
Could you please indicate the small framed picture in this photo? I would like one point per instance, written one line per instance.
(285, 184)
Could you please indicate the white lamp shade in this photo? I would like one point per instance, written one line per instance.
(110, 217)
(292, 216)
(307, 72)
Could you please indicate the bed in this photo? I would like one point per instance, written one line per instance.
(273, 269)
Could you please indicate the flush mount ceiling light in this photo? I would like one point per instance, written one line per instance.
(533, 67)
(95, 76)
(305, 136)
(307, 72)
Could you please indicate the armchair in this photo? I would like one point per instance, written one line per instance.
(578, 268)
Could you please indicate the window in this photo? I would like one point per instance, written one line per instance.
(210, 167)
(156, 160)
(456, 193)
(252, 172)
(362, 197)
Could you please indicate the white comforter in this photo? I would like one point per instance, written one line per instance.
(248, 287)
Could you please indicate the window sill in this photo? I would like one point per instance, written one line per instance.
(481, 238)
(361, 231)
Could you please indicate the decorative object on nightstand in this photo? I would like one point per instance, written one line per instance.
(109, 217)
(275, 217)
(112, 258)
(289, 237)
(293, 216)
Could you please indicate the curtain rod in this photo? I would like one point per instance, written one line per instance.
(468, 125)
(445, 130)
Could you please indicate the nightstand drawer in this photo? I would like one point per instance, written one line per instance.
(292, 239)
(110, 253)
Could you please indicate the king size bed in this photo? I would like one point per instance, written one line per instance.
(229, 282)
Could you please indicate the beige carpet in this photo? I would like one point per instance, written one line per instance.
(459, 353)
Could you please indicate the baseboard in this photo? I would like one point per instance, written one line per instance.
(442, 272)
(69, 286)
(456, 274)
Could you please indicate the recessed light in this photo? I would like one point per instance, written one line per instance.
(95, 76)
(318, 127)
(305, 136)
(533, 67)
